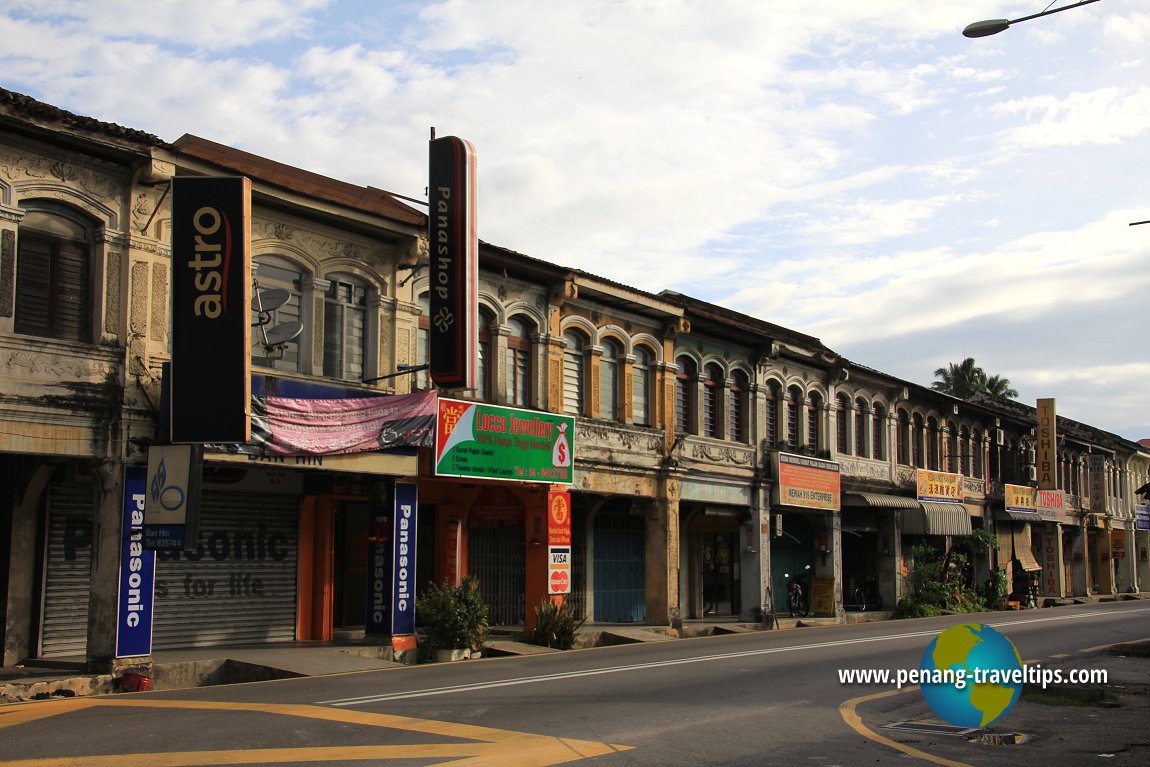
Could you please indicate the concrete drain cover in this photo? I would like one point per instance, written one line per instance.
(933, 729)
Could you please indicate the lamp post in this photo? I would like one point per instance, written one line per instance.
(994, 26)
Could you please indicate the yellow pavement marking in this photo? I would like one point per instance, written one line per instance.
(855, 722)
(505, 748)
(1098, 648)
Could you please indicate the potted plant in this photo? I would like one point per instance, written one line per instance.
(453, 618)
(556, 626)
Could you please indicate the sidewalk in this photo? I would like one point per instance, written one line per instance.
(1064, 725)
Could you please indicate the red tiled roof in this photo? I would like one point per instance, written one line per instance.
(366, 199)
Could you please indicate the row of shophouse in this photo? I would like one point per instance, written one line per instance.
(715, 455)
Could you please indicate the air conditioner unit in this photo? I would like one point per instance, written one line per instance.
(999, 437)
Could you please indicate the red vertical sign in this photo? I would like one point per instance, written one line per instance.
(558, 542)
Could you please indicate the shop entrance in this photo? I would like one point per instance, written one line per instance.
(351, 524)
(496, 555)
(792, 555)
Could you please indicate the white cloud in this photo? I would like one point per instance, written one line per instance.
(858, 171)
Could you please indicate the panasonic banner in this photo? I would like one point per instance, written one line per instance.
(137, 572)
(404, 523)
(391, 543)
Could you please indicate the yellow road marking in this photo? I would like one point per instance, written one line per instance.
(855, 722)
(1100, 647)
(505, 748)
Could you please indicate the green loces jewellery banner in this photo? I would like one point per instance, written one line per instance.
(491, 442)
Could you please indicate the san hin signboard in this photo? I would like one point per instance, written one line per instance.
(492, 442)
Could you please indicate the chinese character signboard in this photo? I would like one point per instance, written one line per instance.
(807, 482)
(1020, 498)
(1096, 482)
(492, 442)
(940, 487)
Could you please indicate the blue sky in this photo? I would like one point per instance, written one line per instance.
(860, 172)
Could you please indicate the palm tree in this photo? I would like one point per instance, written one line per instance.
(961, 380)
(966, 379)
(1000, 387)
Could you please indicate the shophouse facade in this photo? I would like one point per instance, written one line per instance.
(716, 456)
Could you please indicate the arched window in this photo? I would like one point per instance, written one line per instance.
(423, 344)
(54, 275)
(771, 406)
(574, 370)
(932, 444)
(609, 379)
(964, 452)
(641, 387)
(273, 272)
(483, 367)
(916, 437)
(519, 362)
(976, 448)
(813, 408)
(685, 396)
(738, 398)
(903, 440)
(842, 422)
(878, 432)
(712, 396)
(344, 327)
(794, 402)
(860, 427)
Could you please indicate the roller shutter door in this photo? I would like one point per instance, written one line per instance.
(67, 570)
(239, 585)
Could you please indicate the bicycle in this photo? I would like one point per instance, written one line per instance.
(796, 600)
(866, 595)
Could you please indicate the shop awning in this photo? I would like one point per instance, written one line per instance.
(1022, 552)
(880, 501)
(1019, 516)
(936, 519)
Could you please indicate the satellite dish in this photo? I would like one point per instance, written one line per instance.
(281, 334)
(271, 299)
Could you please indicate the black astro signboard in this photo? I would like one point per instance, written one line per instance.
(211, 309)
(454, 289)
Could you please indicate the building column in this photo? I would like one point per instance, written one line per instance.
(104, 592)
(662, 554)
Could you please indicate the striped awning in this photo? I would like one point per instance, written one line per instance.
(1018, 516)
(936, 519)
(880, 501)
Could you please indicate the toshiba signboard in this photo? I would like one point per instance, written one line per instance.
(454, 273)
(211, 309)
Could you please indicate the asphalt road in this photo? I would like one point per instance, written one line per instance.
(766, 698)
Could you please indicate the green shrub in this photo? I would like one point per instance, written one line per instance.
(452, 617)
(909, 607)
(555, 626)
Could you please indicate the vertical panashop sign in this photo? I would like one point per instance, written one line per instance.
(453, 302)
(1046, 445)
(137, 572)
(211, 309)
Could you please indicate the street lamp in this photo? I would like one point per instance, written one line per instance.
(994, 26)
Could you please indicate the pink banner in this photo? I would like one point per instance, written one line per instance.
(334, 426)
